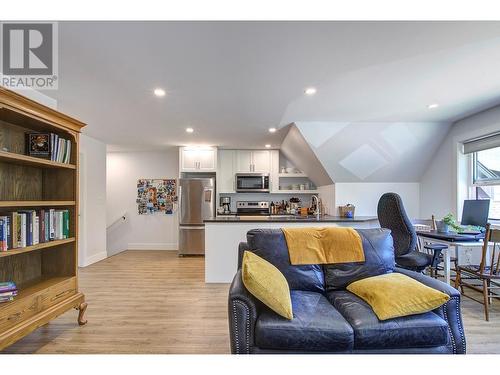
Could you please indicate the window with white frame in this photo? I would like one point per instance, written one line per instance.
(486, 171)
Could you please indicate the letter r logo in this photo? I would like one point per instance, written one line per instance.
(27, 48)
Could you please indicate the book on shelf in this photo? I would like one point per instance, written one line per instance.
(8, 290)
(48, 146)
(24, 228)
(5, 233)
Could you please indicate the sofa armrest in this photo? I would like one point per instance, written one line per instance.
(242, 247)
(243, 310)
(450, 311)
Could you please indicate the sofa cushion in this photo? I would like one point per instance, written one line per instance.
(316, 326)
(270, 244)
(267, 284)
(379, 259)
(415, 331)
(394, 295)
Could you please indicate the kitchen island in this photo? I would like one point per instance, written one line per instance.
(223, 235)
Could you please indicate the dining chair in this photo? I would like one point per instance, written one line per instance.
(487, 272)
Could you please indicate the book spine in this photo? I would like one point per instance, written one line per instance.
(47, 226)
(1, 234)
(8, 294)
(52, 146)
(60, 224)
(13, 229)
(8, 289)
(8, 233)
(29, 229)
(56, 146)
(24, 216)
(65, 149)
(19, 230)
(68, 158)
(66, 224)
(36, 230)
(52, 230)
(41, 237)
(60, 150)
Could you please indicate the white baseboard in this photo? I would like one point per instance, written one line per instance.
(152, 246)
(93, 259)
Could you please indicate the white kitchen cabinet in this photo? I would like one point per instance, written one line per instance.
(261, 161)
(197, 159)
(189, 160)
(258, 161)
(243, 161)
(225, 171)
(208, 160)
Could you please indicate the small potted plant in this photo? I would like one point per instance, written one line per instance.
(448, 222)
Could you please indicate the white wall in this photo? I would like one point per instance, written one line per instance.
(365, 196)
(327, 196)
(92, 239)
(148, 232)
(444, 184)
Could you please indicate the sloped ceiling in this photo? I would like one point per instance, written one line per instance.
(374, 152)
(296, 149)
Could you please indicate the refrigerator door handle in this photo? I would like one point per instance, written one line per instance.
(208, 195)
(192, 228)
(179, 204)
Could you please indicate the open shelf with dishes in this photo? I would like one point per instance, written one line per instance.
(292, 180)
(38, 216)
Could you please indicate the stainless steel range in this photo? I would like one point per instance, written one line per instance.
(250, 208)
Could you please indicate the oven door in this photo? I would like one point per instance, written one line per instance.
(252, 183)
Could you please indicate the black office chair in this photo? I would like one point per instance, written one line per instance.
(392, 215)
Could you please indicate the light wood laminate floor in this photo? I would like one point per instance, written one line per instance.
(155, 302)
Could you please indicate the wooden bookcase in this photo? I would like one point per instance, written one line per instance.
(46, 274)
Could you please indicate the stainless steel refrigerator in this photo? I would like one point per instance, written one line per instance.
(196, 203)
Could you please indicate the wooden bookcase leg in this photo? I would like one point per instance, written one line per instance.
(82, 307)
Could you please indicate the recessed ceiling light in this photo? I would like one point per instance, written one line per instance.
(433, 105)
(268, 146)
(189, 130)
(272, 130)
(310, 91)
(159, 92)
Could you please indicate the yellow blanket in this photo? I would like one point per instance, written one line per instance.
(323, 245)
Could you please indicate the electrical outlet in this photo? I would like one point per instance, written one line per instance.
(467, 256)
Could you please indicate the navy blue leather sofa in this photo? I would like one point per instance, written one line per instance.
(328, 318)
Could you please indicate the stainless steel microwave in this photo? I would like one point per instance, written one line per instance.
(252, 183)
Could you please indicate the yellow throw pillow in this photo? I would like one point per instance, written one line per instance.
(393, 295)
(267, 284)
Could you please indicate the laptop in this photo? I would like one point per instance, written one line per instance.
(475, 213)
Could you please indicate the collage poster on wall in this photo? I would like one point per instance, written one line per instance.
(156, 196)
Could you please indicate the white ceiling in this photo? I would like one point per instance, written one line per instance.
(231, 81)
